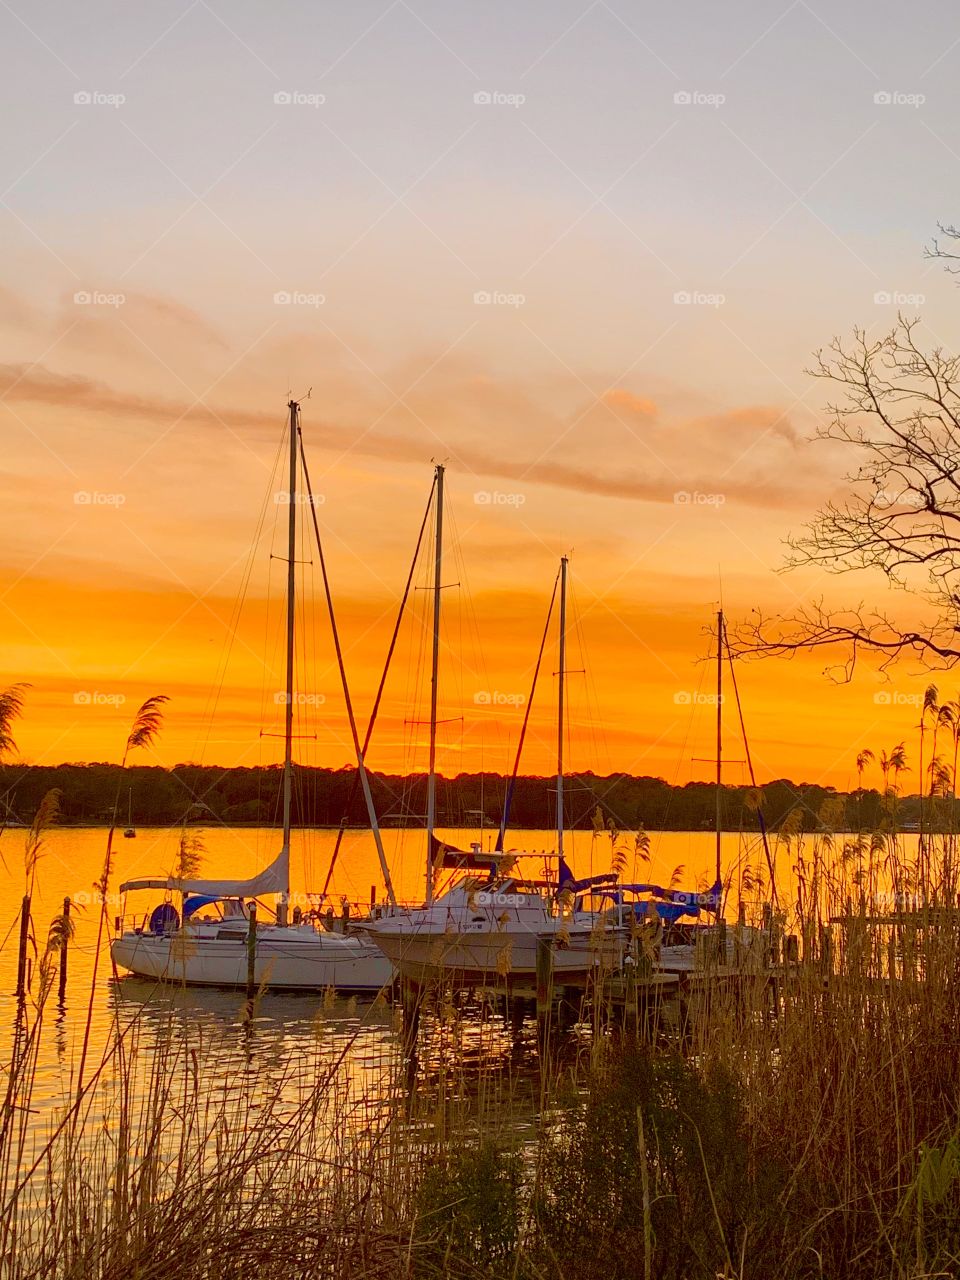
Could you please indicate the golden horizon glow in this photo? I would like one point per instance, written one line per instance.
(596, 308)
(644, 706)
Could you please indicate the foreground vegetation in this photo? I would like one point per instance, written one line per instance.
(813, 1135)
(816, 1137)
(823, 1145)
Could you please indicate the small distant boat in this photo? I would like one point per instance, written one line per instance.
(129, 831)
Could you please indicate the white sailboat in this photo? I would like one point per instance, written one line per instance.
(488, 928)
(173, 945)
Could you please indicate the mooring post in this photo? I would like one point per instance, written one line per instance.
(631, 1003)
(544, 987)
(721, 943)
(22, 954)
(410, 1001)
(252, 951)
(766, 928)
(740, 935)
(63, 949)
(516, 1017)
(826, 950)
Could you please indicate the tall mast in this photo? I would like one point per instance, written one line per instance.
(362, 775)
(719, 739)
(291, 614)
(560, 710)
(432, 775)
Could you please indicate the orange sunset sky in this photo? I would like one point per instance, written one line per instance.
(522, 240)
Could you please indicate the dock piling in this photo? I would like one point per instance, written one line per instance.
(544, 988)
(22, 953)
(63, 950)
(631, 1004)
(252, 951)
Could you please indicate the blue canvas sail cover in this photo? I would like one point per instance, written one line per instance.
(192, 905)
(447, 857)
(671, 904)
(710, 900)
(670, 912)
(566, 880)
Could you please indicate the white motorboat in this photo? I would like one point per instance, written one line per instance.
(489, 932)
(483, 933)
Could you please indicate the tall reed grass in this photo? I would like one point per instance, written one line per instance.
(804, 1122)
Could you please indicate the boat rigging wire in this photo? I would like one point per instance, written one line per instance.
(526, 719)
(361, 767)
(753, 779)
(380, 688)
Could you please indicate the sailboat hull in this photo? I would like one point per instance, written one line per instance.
(441, 946)
(493, 960)
(288, 959)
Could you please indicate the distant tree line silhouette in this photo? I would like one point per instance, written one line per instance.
(209, 794)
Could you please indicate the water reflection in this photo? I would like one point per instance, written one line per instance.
(468, 1052)
(276, 1046)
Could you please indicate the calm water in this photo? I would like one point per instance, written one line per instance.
(361, 1037)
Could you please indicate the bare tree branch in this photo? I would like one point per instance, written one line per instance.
(896, 410)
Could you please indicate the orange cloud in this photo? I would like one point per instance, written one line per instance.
(621, 398)
(536, 466)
